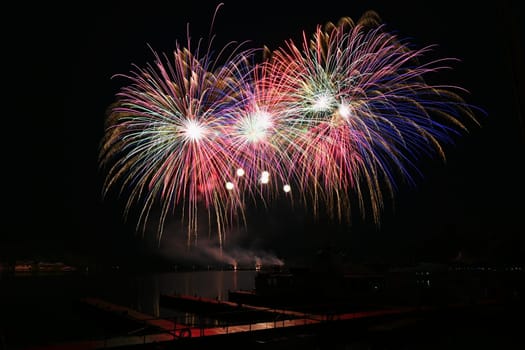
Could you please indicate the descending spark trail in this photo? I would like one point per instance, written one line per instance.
(362, 112)
(167, 134)
(344, 112)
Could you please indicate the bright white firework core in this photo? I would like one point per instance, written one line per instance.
(287, 188)
(254, 126)
(240, 172)
(229, 186)
(193, 130)
(265, 174)
(322, 102)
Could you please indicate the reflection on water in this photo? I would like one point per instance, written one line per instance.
(207, 284)
(51, 301)
(142, 292)
(43, 309)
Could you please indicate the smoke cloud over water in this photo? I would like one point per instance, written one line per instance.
(207, 252)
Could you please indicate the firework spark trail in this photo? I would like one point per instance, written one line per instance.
(362, 112)
(168, 128)
(258, 135)
(345, 112)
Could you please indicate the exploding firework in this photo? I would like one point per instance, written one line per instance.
(345, 112)
(168, 133)
(259, 135)
(361, 112)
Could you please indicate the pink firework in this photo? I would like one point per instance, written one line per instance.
(341, 116)
(362, 112)
(168, 133)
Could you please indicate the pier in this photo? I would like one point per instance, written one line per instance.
(159, 330)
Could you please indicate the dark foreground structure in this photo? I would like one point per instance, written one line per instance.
(428, 306)
(458, 327)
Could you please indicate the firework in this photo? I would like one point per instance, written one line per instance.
(167, 132)
(259, 136)
(346, 112)
(361, 112)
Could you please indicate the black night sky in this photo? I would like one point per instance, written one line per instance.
(473, 204)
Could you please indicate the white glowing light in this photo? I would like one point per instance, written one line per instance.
(193, 130)
(344, 111)
(240, 172)
(255, 126)
(322, 102)
(229, 186)
(263, 119)
(265, 180)
(287, 188)
(265, 174)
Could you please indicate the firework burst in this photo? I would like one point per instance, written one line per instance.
(362, 112)
(346, 111)
(168, 134)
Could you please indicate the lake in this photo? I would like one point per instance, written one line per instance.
(44, 309)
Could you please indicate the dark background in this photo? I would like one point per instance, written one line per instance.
(470, 207)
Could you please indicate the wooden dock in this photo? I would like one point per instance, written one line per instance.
(214, 305)
(167, 330)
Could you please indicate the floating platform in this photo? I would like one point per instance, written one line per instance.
(164, 331)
